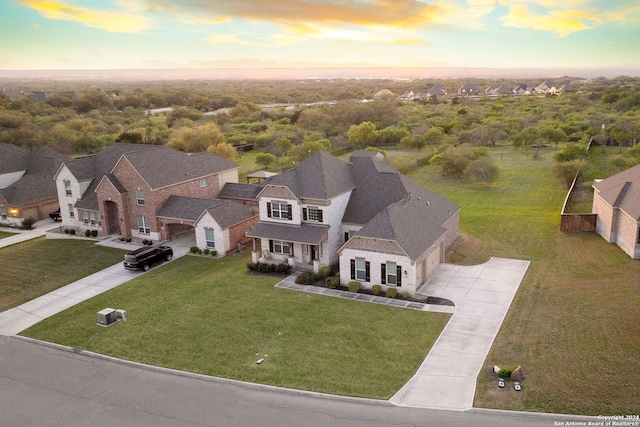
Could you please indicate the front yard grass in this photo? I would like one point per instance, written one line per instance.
(35, 267)
(574, 324)
(212, 317)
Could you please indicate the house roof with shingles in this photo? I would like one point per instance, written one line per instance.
(409, 222)
(165, 166)
(469, 87)
(622, 191)
(437, 90)
(13, 158)
(229, 213)
(321, 176)
(188, 208)
(37, 182)
(234, 190)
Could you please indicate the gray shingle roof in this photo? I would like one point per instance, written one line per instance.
(321, 176)
(306, 233)
(233, 190)
(622, 190)
(188, 208)
(13, 158)
(37, 182)
(165, 166)
(229, 213)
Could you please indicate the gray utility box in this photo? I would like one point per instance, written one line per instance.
(107, 317)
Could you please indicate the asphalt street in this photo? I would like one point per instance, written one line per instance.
(44, 385)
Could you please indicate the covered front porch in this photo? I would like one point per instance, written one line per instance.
(302, 246)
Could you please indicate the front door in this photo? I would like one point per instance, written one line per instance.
(113, 225)
(314, 252)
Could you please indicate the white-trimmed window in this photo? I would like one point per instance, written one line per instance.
(92, 217)
(208, 234)
(67, 187)
(361, 269)
(99, 218)
(140, 197)
(280, 247)
(280, 210)
(391, 274)
(85, 216)
(143, 224)
(3, 212)
(204, 182)
(71, 212)
(312, 214)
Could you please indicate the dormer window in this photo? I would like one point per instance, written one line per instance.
(67, 187)
(140, 197)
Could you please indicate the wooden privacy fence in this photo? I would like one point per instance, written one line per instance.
(576, 222)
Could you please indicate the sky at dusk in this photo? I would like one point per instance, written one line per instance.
(140, 34)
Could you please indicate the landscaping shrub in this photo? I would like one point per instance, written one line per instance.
(87, 233)
(214, 253)
(199, 251)
(67, 231)
(193, 249)
(376, 289)
(261, 267)
(331, 282)
(27, 223)
(354, 286)
(406, 295)
(324, 272)
(392, 293)
(72, 231)
(307, 278)
(206, 251)
(94, 233)
(506, 372)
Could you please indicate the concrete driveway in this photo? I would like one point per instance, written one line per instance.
(39, 229)
(17, 319)
(482, 295)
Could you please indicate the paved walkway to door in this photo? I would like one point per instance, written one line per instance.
(482, 295)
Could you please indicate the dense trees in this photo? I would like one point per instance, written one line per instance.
(82, 118)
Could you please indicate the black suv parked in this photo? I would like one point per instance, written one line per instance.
(141, 259)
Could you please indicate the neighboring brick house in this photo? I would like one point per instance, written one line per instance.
(27, 188)
(616, 201)
(144, 191)
(382, 227)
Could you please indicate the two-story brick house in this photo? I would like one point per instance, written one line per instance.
(382, 227)
(130, 190)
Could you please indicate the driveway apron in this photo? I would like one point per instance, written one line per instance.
(482, 295)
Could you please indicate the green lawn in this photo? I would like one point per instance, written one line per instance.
(574, 325)
(4, 234)
(210, 316)
(39, 266)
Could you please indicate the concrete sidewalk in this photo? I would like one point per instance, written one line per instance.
(482, 295)
(39, 229)
(18, 319)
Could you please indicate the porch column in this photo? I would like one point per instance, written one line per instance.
(254, 253)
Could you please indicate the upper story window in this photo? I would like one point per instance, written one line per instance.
(204, 182)
(312, 214)
(140, 197)
(71, 213)
(67, 187)
(280, 210)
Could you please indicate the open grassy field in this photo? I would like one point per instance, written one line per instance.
(38, 266)
(574, 325)
(210, 316)
(4, 234)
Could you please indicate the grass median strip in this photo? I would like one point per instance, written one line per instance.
(4, 234)
(33, 268)
(211, 317)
